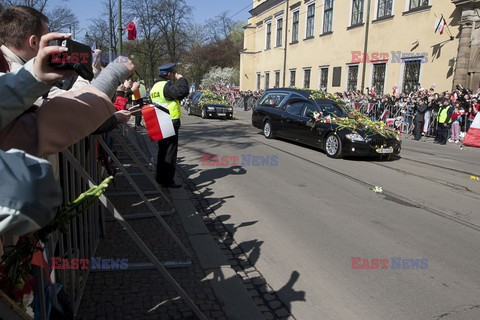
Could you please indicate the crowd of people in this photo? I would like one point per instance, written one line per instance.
(447, 115)
(43, 111)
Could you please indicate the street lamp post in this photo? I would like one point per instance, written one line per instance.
(72, 29)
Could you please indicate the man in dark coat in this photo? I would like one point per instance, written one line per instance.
(420, 108)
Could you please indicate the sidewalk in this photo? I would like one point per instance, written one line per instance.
(143, 293)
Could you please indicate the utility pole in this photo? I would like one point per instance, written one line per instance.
(365, 47)
(286, 45)
(110, 34)
(120, 28)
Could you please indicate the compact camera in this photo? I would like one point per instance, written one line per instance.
(78, 57)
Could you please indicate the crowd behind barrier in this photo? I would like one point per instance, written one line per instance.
(44, 112)
(416, 111)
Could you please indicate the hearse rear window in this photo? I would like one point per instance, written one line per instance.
(273, 99)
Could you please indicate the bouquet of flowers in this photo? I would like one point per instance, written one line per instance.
(16, 276)
(210, 97)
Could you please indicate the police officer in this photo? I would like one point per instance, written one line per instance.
(169, 95)
(444, 119)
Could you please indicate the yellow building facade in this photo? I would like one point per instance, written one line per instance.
(342, 45)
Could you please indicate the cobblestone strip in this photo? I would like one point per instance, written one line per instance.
(262, 294)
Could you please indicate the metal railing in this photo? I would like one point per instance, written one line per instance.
(80, 170)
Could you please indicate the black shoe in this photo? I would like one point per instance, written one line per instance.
(172, 185)
(436, 142)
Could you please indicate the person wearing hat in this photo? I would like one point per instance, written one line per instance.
(169, 95)
(444, 119)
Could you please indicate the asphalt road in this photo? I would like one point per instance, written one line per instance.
(303, 220)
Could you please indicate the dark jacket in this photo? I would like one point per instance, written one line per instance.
(420, 111)
(175, 91)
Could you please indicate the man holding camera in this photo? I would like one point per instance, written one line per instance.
(169, 95)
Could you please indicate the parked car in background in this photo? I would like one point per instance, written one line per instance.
(328, 124)
(208, 104)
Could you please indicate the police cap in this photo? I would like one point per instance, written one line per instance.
(166, 68)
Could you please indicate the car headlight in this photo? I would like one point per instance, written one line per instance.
(210, 108)
(230, 109)
(354, 137)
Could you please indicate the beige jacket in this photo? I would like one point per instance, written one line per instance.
(59, 123)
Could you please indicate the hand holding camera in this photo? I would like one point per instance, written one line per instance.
(42, 65)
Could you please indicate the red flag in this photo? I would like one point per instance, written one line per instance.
(158, 122)
(132, 29)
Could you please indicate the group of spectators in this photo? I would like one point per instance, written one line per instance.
(445, 115)
(44, 110)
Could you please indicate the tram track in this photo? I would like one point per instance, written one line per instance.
(387, 195)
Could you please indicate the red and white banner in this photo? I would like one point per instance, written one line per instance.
(158, 122)
(132, 29)
(472, 139)
(440, 25)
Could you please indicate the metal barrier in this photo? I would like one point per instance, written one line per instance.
(79, 170)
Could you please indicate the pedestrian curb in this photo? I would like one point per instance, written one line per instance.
(227, 286)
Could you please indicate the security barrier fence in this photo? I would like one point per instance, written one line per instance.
(58, 292)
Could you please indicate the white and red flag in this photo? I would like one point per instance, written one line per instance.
(472, 139)
(158, 122)
(384, 115)
(440, 25)
(132, 29)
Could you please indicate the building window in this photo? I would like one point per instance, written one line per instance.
(357, 12)
(328, 16)
(267, 80)
(306, 78)
(352, 78)
(411, 76)
(258, 81)
(379, 77)
(269, 35)
(337, 77)
(277, 79)
(323, 78)
(384, 8)
(296, 18)
(278, 43)
(414, 4)
(310, 21)
(293, 73)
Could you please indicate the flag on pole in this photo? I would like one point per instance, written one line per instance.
(158, 122)
(384, 115)
(440, 25)
(132, 29)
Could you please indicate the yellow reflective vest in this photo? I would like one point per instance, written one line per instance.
(156, 95)
(443, 113)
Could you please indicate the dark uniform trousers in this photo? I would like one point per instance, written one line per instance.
(442, 133)
(167, 156)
